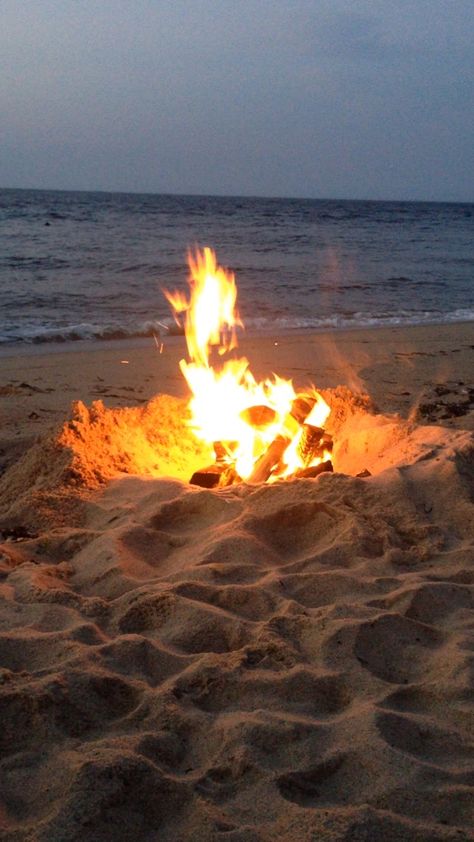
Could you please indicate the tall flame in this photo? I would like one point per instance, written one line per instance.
(211, 316)
(222, 394)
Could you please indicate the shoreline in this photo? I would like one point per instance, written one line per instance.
(24, 349)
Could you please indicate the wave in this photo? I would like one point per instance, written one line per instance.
(256, 325)
(359, 319)
(87, 331)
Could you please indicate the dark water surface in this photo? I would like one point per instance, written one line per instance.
(79, 265)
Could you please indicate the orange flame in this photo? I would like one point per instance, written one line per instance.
(221, 395)
(211, 316)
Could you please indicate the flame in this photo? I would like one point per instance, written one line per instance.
(211, 316)
(223, 394)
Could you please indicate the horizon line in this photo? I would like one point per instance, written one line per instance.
(238, 196)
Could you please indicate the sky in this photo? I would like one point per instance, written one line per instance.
(363, 99)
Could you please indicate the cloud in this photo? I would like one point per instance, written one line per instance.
(261, 96)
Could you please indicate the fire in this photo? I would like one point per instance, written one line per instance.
(211, 316)
(247, 422)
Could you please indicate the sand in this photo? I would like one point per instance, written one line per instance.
(287, 662)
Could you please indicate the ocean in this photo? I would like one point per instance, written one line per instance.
(80, 265)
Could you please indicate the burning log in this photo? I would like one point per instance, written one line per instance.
(223, 450)
(314, 470)
(272, 456)
(220, 474)
(259, 416)
(326, 443)
(301, 407)
(208, 477)
(314, 443)
(309, 443)
(220, 451)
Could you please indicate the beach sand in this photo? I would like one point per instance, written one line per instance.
(287, 662)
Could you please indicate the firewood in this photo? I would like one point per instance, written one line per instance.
(208, 477)
(321, 451)
(219, 474)
(290, 426)
(326, 442)
(309, 443)
(301, 407)
(314, 470)
(259, 416)
(223, 450)
(265, 465)
(219, 450)
(229, 476)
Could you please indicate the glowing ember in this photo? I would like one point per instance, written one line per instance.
(265, 431)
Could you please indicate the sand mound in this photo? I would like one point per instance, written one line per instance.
(97, 444)
(271, 662)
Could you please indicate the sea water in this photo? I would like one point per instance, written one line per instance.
(79, 265)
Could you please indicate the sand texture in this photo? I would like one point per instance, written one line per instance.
(260, 663)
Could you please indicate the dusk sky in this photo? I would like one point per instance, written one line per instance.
(317, 98)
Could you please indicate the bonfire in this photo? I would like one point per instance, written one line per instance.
(260, 431)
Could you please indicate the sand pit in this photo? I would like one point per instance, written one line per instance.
(288, 661)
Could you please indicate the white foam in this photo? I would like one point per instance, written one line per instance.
(90, 331)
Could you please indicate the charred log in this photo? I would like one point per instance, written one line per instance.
(314, 470)
(309, 444)
(208, 477)
(218, 475)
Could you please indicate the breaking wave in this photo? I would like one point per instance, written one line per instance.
(256, 325)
